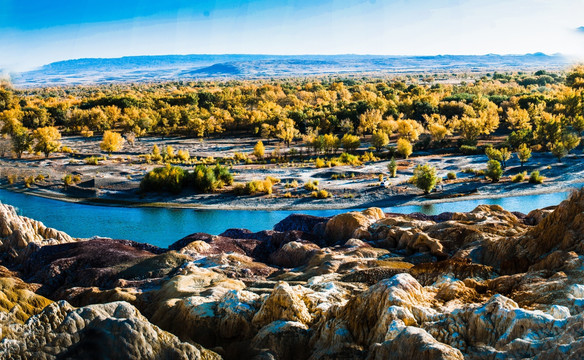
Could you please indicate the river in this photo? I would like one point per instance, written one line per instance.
(162, 227)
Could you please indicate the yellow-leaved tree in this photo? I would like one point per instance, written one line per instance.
(112, 141)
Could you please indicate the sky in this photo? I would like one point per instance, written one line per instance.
(37, 32)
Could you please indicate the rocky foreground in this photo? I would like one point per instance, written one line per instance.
(489, 284)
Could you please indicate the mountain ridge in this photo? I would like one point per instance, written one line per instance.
(148, 68)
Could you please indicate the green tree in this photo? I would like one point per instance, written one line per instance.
(21, 140)
(494, 170)
(47, 140)
(425, 178)
(392, 167)
(523, 153)
(505, 156)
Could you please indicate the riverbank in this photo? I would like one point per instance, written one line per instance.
(375, 198)
(115, 181)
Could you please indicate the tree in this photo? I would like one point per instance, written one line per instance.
(350, 142)
(331, 142)
(470, 128)
(505, 155)
(518, 119)
(424, 178)
(21, 140)
(392, 167)
(562, 147)
(286, 131)
(404, 147)
(523, 153)
(379, 139)
(47, 140)
(494, 170)
(369, 121)
(408, 129)
(111, 141)
(259, 150)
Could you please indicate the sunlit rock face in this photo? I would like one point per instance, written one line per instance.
(487, 284)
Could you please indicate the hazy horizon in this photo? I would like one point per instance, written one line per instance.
(36, 33)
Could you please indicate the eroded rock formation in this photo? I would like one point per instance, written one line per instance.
(480, 285)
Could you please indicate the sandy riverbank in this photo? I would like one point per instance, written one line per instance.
(115, 181)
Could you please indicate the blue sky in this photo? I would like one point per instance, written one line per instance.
(36, 32)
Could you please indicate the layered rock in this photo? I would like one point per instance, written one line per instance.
(105, 331)
(484, 284)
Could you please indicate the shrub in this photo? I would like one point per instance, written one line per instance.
(167, 178)
(536, 178)
(259, 150)
(92, 160)
(11, 178)
(469, 150)
(254, 187)
(28, 181)
(368, 156)
(208, 179)
(451, 176)
(494, 170)
(67, 150)
(293, 184)
(319, 163)
(183, 155)
(424, 178)
(287, 195)
(311, 185)
(155, 155)
(348, 159)
(273, 180)
(321, 194)
(519, 177)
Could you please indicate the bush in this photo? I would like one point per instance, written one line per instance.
(254, 187)
(92, 160)
(519, 177)
(319, 163)
(208, 179)
(494, 170)
(536, 178)
(28, 181)
(469, 150)
(451, 176)
(321, 194)
(368, 156)
(311, 185)
(424, 178)
(348, 159)
(293, 184)
(167, 178)
(183, 155)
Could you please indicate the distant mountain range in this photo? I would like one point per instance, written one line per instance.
(188, 67)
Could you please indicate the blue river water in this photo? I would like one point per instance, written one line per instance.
(162, 227)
